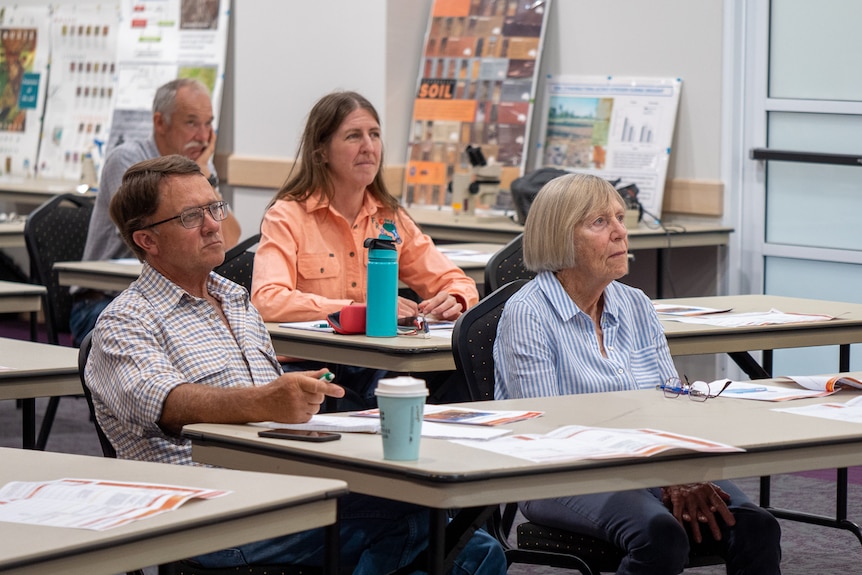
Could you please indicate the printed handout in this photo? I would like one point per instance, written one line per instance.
(849, 411)
(91, 503)
(449, 414)
(771, 317)
(814, 386)
(686, 310)
(576, 442)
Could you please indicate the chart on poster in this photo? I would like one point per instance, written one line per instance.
(613, 127)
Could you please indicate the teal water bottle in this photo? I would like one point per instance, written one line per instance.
(381, 312)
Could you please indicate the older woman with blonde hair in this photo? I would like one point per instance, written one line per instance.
(574, 329)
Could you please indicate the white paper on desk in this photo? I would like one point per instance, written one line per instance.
(756, 391)
(316, 325)
(466, 255)
(850, 411)
(366, 425)
(321, 422)
(91, 503)
(771, 317)
(576, 442)
(686, 310)
(127, 261)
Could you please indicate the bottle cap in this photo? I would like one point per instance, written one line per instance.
(402, 386)
(379, 244)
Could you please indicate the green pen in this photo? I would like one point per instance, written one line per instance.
(327, 377)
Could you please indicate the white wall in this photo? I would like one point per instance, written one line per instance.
(288, 54)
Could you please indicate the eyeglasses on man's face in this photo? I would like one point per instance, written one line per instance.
(697, 391)
(194, 217)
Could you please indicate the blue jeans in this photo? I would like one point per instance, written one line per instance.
(655, 543)
(83, 316)
(377, 536)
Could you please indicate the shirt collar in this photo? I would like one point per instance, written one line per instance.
(564, 306)
(317, 201)
(166, 295)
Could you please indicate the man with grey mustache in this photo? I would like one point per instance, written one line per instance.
(182, 124)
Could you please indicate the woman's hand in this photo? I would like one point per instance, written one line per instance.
(442, 306)
(407, 308)
(697, 503)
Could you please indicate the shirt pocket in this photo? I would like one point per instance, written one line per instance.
(316, 268)
(203, 364)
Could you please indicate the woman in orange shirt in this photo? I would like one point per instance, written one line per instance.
(311, 261)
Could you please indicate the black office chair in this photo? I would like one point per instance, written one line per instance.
(507, 265)
(178, 567)
(238, 264)
(473, 347)
(55, 231)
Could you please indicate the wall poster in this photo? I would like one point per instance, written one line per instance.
(83, 86)
(476, 87)
(161, 40)
(611, 127)
(24, 52)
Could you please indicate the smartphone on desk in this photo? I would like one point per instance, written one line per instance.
(300, 435)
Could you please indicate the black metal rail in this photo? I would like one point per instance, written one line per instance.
(806, 157)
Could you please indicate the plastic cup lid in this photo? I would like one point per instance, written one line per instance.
(403, 386)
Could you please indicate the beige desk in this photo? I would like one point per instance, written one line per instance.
(16, 297)
(12, 234)
(846, 329)
(34, 191)
(448, 475)
(36, 370)
(100, 275)
(115, 276)
(442, 225)
(260, 506)
(400, 353)
(694, 339)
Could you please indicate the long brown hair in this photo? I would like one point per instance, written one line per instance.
(312, 173)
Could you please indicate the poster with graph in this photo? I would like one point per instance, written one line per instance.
(161, 40)
(613, 127)
(476, 87)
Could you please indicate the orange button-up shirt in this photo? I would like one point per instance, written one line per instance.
(311, 262)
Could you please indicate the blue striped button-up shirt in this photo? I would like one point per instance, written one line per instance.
(547, 346)
(155, 336)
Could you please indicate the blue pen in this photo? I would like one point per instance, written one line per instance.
(321, 325)
(746, 390)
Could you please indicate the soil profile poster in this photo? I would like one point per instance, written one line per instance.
(476, 87)
(613, 127)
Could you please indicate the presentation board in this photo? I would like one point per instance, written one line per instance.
(613, 127)
(107, 60)
(476, 87)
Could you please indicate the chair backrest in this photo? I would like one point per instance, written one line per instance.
(238, 262)
(507, 265)
(473, 341)
(56, 231)
(83, 353)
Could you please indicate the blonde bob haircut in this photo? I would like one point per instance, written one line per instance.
(561, 205)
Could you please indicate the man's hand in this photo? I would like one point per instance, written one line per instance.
(697, 503)
(207, 154)
(296, 396)
(442, 306)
